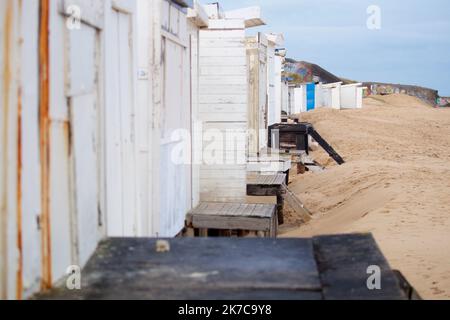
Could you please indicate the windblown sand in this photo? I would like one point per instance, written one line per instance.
(395, 184)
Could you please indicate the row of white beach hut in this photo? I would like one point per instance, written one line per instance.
(311, 96)
(119, 116)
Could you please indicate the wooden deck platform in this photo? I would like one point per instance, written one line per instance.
(261, 185)
(270, 164)
(332, 267)
(257, 218)
(266, 180)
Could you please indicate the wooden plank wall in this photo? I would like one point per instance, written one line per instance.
(144, 121)
(263, 90)
(278, 94)
(9, 49)
(175, 122)
(120, 123)
(351, 96)
(284, 96)
(30, 259)
(196, 132)
(257, 95)
(222, 109)
(253, 95)
(76, 140)
(56, 193)
(171, 183)
(165, 110)
(272, 117)
(59, 121)
(51, 128)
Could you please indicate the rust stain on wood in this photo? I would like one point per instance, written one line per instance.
(68, 136)
(19, 286)
(44, 130)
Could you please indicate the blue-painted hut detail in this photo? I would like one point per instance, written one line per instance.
(310, 96)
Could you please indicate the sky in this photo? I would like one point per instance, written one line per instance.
(412, 45)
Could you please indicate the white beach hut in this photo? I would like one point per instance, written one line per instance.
(351, 96)
(285, 97)
(223, 102)
(281, 87)
(90, 111)
(297, 99)
(274, 70)
(63, 80)
(257, 60)
(330, 95)
(170, 139)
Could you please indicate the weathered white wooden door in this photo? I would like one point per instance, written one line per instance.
(263, 103)
(30, 185)
(271, 93)
(175, 174)
(120, 138)
(83, 53)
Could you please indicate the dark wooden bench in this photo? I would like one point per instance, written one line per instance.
(258, 219)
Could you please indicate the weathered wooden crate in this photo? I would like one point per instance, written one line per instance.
(261, 185)
(212, 218)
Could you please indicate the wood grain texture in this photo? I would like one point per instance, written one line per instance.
(223, 110)
(233, 216)
(232, 268)
(343, 263)
(200, 268)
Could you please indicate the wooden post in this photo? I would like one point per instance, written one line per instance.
(274, 227)
(203, 233)
(190, 232)
(287, 177)
(280, 206)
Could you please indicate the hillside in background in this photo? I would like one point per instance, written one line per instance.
(304, 72)
(299, 72)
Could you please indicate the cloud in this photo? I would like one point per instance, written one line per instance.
(412, 46)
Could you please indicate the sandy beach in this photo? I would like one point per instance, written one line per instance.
(395, 184)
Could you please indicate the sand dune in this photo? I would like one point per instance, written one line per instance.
(395, 184)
